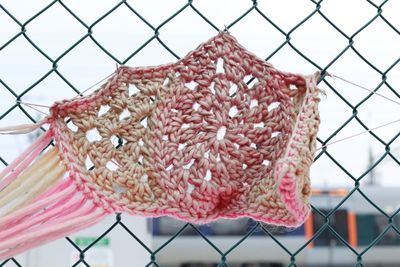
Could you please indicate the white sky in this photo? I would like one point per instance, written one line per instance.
(122, 33)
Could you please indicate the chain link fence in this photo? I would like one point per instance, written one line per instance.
(356, 107)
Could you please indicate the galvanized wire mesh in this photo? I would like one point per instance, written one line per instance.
(253, 7)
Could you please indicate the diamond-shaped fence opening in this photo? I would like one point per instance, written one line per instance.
(52, 50)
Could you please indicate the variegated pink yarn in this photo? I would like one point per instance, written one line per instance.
(191, 139)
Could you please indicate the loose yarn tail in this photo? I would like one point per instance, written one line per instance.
(50, 230)
(23, 128)
(59, 211)
(39, 201)
(36, 207)
(8, 174)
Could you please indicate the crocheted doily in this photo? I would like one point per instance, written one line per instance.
(218, 134)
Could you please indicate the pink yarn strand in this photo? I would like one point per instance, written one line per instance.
(58, 232)
(41, 216)
(61, 186)
(19, 164)
(42, 231)
(24, 224)
(35, 207)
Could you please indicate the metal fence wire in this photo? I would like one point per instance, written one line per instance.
(157, 36)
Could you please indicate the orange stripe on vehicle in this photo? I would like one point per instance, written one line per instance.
(309, 229)
(351, 221)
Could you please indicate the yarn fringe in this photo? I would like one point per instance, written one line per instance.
(19, 164)
(39, 201)
(23, 128)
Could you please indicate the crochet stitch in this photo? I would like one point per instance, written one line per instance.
(190, 139)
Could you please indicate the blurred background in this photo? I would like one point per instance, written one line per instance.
(52, 50)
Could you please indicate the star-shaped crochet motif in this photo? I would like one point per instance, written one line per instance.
(218, 134)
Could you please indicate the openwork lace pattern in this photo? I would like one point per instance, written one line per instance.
(218, 134)
(193, 140)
